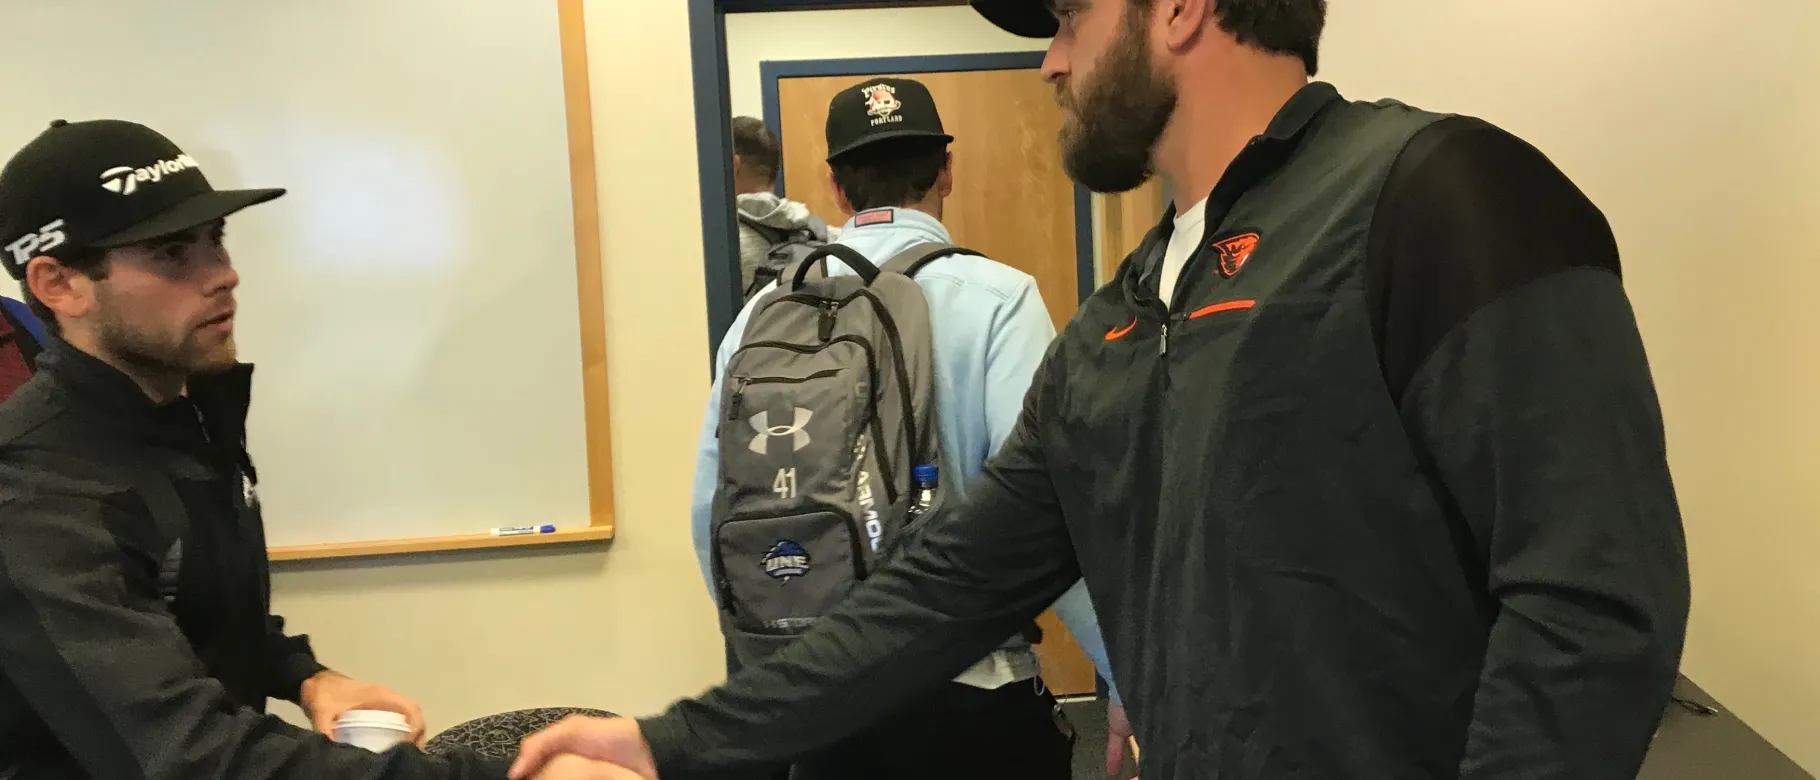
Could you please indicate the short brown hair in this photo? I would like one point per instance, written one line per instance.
(892, 172)
(1276, 26)
(757, 148)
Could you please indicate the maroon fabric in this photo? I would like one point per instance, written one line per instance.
(14, 368)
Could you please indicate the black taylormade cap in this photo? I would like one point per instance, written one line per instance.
(879, 109)
(103, 183)
(1026, 18)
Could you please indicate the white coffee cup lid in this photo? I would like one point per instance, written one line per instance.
(373, 719)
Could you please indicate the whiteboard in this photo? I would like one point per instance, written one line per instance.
(411, 304)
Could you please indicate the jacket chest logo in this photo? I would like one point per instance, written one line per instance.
(1234, 251)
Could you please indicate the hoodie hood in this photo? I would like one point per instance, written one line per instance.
(769, 210)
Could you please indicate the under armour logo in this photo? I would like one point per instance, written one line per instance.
(761, 423)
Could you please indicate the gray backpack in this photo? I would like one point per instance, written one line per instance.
(784, 250)
(827, 407)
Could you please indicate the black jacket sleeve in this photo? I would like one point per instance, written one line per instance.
(87, 642)
(1508, 337)
(976, 574)
(289, 661)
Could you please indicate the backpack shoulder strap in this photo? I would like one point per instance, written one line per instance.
(912, 260)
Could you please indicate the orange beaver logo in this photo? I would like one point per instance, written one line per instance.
(1234, 252)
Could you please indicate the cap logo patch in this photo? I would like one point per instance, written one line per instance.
(31, 245)
(882, 104)
(125, 179)
(1234, 252)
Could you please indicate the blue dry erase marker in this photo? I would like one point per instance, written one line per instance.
(524, 529)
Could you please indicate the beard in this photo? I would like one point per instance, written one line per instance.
(181, 351)
(1110, 131)
(188, 355)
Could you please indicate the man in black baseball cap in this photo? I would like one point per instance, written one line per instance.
(104, 184)
(136, 638)
(890, 171)
(1359, 452)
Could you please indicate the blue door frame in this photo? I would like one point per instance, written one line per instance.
(714, 144)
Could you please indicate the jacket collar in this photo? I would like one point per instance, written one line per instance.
(223, 398)
(1264, 154)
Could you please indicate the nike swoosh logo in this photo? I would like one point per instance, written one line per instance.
(1118, 333)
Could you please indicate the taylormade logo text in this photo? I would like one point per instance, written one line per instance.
(125, 179)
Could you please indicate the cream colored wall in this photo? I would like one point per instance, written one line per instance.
(1693, 128)
(1693, 125)
(629, 628)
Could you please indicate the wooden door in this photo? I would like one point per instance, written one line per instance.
(1012, 202)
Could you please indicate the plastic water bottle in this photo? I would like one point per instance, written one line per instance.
(923, 480)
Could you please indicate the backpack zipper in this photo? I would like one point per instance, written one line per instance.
(903, 374)
(739, 398)
(829, 310)
(739, 390)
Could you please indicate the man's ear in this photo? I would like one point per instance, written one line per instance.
(63, 290)
(944, 181)
(840, 198)
(1182, 21)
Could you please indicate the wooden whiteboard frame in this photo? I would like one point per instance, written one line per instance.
(580, 112)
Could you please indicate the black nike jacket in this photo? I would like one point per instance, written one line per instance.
(1383, 495)
(136, 639)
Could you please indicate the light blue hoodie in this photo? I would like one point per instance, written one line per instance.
(990, 331)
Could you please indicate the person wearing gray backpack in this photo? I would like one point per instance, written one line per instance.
(853, 397)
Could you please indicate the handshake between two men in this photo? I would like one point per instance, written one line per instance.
(586, 748)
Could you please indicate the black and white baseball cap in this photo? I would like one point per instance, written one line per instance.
(1024, 18)
(101, 184)
(881, 109)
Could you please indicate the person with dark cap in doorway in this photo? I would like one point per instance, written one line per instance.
(891, 170)
(136, 639)
(1359, 452)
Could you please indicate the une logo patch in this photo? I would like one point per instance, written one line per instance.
(786, 560)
